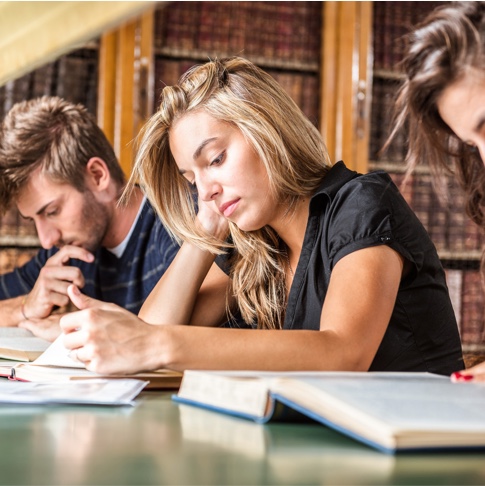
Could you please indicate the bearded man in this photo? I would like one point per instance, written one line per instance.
(61, 172)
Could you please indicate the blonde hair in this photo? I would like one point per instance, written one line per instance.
(235, 91)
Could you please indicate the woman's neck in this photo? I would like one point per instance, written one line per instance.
(291, 229)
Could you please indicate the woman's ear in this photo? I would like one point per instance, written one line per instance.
(98, 177)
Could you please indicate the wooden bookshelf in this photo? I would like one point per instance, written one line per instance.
(339, 62)
(458, 240)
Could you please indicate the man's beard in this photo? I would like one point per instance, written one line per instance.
(94, 224)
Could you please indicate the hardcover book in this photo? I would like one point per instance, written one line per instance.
(388, 411)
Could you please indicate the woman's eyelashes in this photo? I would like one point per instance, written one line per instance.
(219, 159)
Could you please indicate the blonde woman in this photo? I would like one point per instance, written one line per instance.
(329, 268)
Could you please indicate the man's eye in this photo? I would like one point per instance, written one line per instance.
(52, 213)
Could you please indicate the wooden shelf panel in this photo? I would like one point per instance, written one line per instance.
(202, 56)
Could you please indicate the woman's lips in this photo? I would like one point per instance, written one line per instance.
(228, 208)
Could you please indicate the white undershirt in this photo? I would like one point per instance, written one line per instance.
(119, 249)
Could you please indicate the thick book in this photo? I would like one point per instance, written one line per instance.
(55, 365)
(388, 411)
(20, 344)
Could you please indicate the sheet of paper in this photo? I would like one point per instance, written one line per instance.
(57, 355)
(94, 392)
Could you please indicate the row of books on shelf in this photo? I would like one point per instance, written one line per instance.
(303, 87)
(392, 22)
(72, 77)
(384, 95)
(12, 224)
(444, 217)
(287, 31)
(467, 296)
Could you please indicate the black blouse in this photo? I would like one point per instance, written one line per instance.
(349, 212)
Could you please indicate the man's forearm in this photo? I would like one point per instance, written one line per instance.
(11, 311)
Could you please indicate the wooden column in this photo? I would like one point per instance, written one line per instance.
(125, 93)
(346, 81)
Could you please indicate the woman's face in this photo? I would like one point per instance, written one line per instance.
(462, 108)
(229, 176)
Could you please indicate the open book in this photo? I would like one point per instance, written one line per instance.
(55, 365)
(388, 411)
(20, 344)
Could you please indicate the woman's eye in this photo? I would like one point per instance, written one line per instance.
(218, 160)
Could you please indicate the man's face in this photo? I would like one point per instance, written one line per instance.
(63, 215)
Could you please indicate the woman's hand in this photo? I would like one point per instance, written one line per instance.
(473, 374)
(212, 221)
(109, 339)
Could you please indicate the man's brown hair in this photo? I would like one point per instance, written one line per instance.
(54, 135)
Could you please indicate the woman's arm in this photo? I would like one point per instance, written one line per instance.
(192, 291)
(354, 318)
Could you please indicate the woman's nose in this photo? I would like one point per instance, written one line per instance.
(208, 189)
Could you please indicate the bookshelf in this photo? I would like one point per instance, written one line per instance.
(281, 37)
(458, 240)
(72, 76)
(338, 61)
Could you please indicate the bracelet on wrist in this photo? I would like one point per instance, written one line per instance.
(22, 309)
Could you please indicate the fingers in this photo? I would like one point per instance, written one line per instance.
(74, 355)
(58, 277)
(47, 329)
(212, 222)
(474, 374)
(69, 251)
(80, 300)
(74, 320)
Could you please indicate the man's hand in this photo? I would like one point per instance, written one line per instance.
(50, 290)
(47, 328)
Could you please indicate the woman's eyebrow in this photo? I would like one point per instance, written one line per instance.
(201, 147)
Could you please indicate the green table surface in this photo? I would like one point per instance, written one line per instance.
(159, 442)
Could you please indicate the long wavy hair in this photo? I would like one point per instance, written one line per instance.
(235, 91)
(443, 49)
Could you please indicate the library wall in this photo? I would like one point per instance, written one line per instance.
(458, 240)
(73, 77)
(285, 39)
(281, 37)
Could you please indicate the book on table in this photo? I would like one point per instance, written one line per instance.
(388, 411)
(55, 365)
(20, 344)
